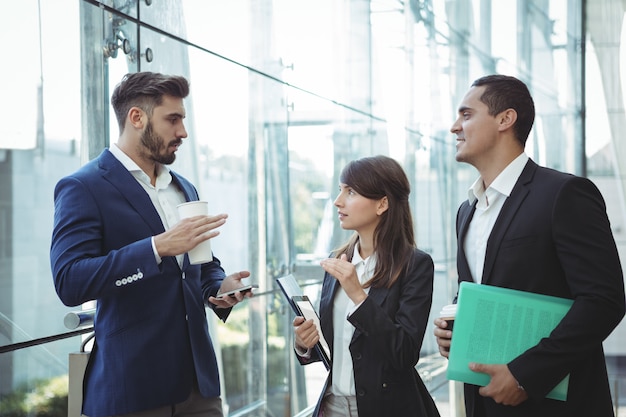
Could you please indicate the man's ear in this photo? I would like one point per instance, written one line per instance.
(507, 119)
(383, 205)
(137, 117)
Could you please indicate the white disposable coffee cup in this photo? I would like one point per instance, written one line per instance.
(202, 252)
(448, 313)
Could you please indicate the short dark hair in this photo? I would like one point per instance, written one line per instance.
(504, 92)
(145, 90)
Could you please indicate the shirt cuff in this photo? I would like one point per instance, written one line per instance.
(156, 254)
(302, 352)
(356, 307)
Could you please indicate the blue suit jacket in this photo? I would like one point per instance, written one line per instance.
(553, 237)
(150, 324)
(389, 330)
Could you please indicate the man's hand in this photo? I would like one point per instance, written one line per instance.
(444, 337)
(187, 234)
(503, 387)
(231, 282)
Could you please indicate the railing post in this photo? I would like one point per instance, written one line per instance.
(78, 363)
(457, 402)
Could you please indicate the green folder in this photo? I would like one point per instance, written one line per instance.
(494, 325)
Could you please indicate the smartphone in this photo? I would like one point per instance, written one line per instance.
(242, 290)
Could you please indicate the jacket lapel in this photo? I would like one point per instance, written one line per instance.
(466, 212)
(114, 172)
(509, 209)
(190, 195)
(190, 192)
(329, 287)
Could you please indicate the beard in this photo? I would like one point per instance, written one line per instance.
(153, 144)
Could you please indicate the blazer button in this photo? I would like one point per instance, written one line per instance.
(358, 356)
(360, 392)
(384, 385)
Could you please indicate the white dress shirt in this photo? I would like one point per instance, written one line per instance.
(488, 206)
(165, 196)
(343, 307)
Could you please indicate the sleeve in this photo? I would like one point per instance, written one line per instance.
(303, 353)
(308, 357)
(212, 276)
(83, 267)
(590, 262)
(398, 335)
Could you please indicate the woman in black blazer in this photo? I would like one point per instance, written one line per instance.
(376, 299)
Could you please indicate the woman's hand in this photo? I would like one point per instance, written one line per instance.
(346, 274)
(306, 333)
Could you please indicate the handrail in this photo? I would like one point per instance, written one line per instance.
(72, 320)
(42, 340)
(76, 319)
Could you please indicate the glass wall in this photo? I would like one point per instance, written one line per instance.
(283, 94)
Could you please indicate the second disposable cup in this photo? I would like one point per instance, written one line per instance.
(448, 313)
(202, 252)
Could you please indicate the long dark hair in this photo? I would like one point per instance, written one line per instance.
(374, 178)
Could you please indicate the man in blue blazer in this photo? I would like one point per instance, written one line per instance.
(117, 239)
(534, 229)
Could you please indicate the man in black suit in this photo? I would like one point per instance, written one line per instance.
(534, 229)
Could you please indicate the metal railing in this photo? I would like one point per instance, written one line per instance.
(76, 319)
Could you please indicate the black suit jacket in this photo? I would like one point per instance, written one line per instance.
(553, 237)
(385, 347)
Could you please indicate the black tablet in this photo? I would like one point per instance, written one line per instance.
(306, 310)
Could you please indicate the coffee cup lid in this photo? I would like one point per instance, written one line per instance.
(448, 311)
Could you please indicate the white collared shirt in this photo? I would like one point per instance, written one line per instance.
(489, 202)
(165, 196)
(343, 307)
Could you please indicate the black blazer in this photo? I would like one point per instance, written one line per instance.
(385, 347)
(553, 237)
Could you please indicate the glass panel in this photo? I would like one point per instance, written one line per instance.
(35, 380)
(28, 304)
(121, 56)
(307, 39)
(215, 153)
(223, 28)
(128, 7)
(361, 78)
